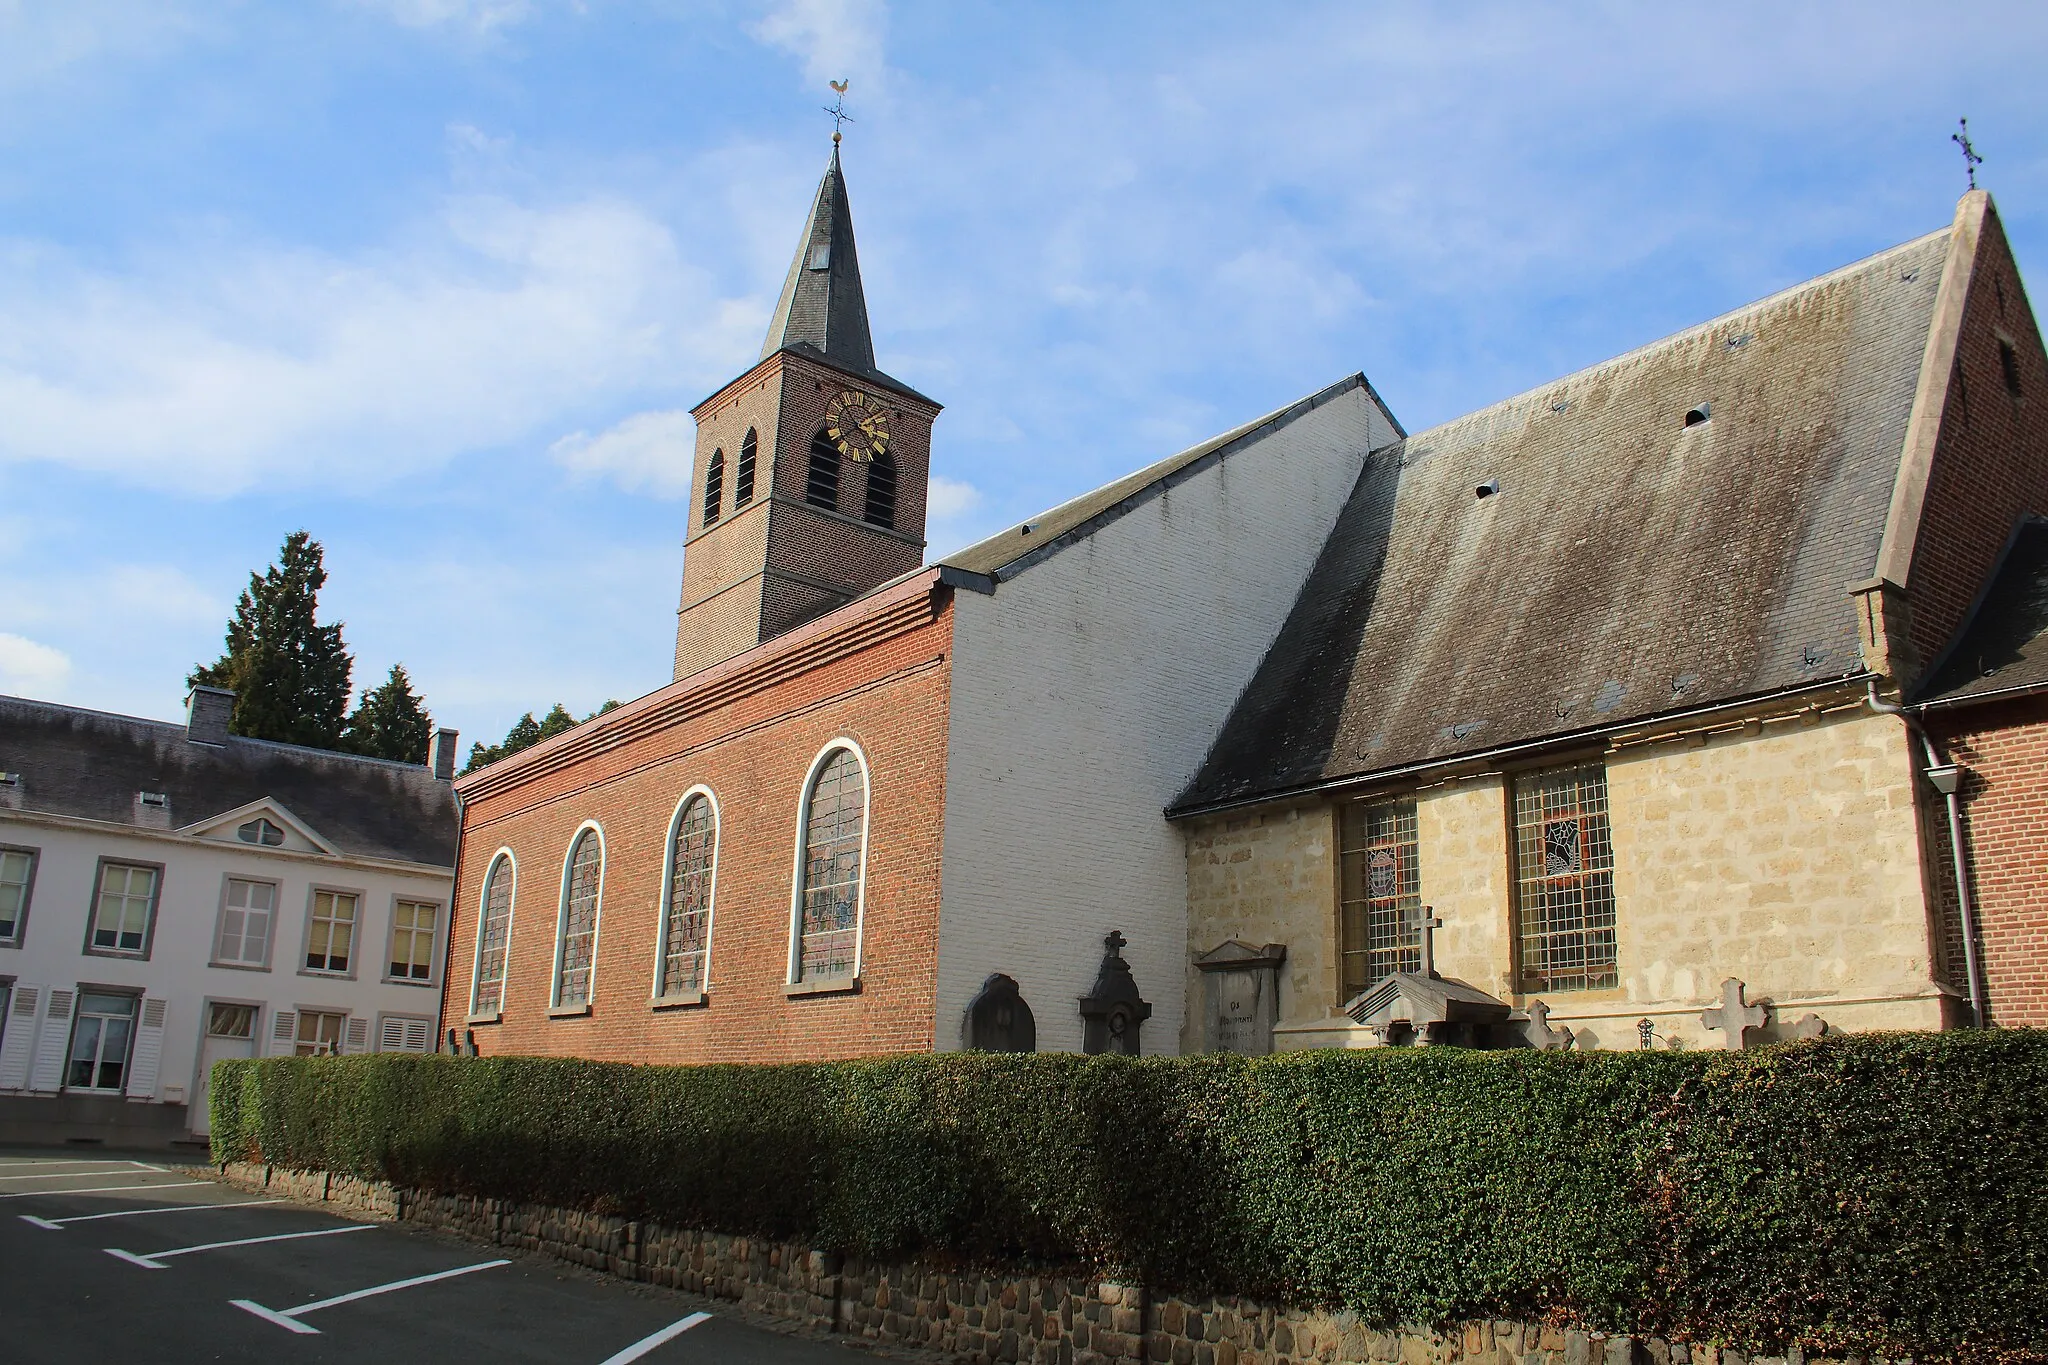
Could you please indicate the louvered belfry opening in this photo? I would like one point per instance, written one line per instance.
(714, 486)
(743, 473)
(821, 486)
(881, 508)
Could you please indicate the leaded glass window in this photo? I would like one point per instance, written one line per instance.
(579, 920)
(743, 473)
(714, 486)
(1381, 898)
(493, 935)
(1564, 881)
(835, 819)
(821, 485)
(686, 936)
(881, 509)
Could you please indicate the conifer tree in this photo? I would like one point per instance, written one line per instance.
(527, 732)
(290, 674)
(390, 722)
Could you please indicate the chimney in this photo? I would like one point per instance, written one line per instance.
(207, 713)
(442, 757)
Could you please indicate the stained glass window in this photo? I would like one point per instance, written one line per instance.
(1564, 881)
(834, 826)
(579, 921)
(493, 934)
(1381, 896)
(687, 934)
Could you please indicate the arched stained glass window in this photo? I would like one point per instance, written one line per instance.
(714, 486)
(577, 945)
(493, 935)
(686, 930)
(881, 508)
(821, 487)
(834, 829)
(743, 473)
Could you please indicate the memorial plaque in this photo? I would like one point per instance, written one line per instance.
(1241, 996)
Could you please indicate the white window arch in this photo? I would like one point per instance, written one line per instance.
(576, 924)
(493, 936)
(689, 891)
(831, 868)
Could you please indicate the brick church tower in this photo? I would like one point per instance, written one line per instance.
(809, 485)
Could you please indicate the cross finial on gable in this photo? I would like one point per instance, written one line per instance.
(1115, 942)
(837, 108)
(1971, 161)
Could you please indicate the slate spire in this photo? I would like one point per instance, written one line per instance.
(821, 304)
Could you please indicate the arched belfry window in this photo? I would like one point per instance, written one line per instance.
(576, 933)
(685, 955)
(493, 937)
(821, 486)
(833, 854)
(881, 509)
(743, 472)
(714, 486)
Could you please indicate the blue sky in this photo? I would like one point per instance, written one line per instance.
(437, 280)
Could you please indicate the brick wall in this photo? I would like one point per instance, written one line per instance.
(2005, 832)
(1990, 463)
(877, 673)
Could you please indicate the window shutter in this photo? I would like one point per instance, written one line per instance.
(149, 1051)
(358, 1036)
(20, 1041)
(53, 1042)
(284, 1030)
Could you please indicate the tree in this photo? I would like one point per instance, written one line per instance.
(290, 674)
(527, 732)
(390, 722)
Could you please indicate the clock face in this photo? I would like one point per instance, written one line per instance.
(857, 425)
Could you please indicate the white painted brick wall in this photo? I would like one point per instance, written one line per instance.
(1085, 693)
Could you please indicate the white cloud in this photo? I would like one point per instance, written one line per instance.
(648, 452)
(29, 669)
(478, 16)
(947, 499)
(835, 39)
(221, 368)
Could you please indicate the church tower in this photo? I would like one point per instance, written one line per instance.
(809, 485)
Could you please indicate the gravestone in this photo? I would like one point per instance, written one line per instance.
(1240, 996)
(1541, 1035)
(1812, 1026)
(1733, 1015)
(1113, 1013)
(998, 1020)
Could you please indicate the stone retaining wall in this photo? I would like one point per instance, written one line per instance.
(976, 1317)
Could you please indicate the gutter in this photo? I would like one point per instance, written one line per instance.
(1946, 778)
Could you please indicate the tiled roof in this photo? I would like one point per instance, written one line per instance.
(1626, 560)
(91, 765)
(2003, 647)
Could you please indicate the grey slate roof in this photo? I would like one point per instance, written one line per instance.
(90, 765)
(1629, 565)
(2003, 647)
(824, 308)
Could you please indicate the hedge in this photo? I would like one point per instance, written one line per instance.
(1879, 1194)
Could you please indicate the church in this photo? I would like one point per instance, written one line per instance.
(1595, 718)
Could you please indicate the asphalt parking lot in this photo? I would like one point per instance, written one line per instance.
(117, 1259)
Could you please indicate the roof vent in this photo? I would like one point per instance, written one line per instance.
(1487, 489)
(10, 779)
(1696, 415)
(1738, 341)
(154, 800)
(1025, 529)
(821, 256)
(1560, 405)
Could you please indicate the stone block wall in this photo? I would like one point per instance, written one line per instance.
(975, 1316)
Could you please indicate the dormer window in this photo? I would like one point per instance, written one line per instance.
(821, 256)
(260, 831)
(154, 800)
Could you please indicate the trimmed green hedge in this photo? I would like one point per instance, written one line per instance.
(1884, 1194)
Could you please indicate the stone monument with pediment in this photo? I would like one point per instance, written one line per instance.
(1240, 996)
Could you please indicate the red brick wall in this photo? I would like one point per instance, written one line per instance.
(876, 672)
(2005, 832)
(1991, 462)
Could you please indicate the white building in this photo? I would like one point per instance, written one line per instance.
(173, 895)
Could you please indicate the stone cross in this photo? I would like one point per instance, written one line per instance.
(1541, 1034)
(1971, 161)
(1425, 919)
(1812, 1026)
(1733, 1015)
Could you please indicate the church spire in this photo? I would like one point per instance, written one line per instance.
(822, 306)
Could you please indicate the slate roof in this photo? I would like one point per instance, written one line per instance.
(90, 765)
(1629, 564)
(2003, 646)
(825, 307)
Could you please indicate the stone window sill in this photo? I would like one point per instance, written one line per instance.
(569, 1011)
(837, 985)
(493, 1017)
(691, 1000)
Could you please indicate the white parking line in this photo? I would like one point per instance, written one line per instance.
(127, 1168)
(288, 1318)
(57, 1224)
(6, 1164)
(648, 1343)
(150, 1262)
(102, 1189)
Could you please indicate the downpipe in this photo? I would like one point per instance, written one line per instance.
(1948, 780)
